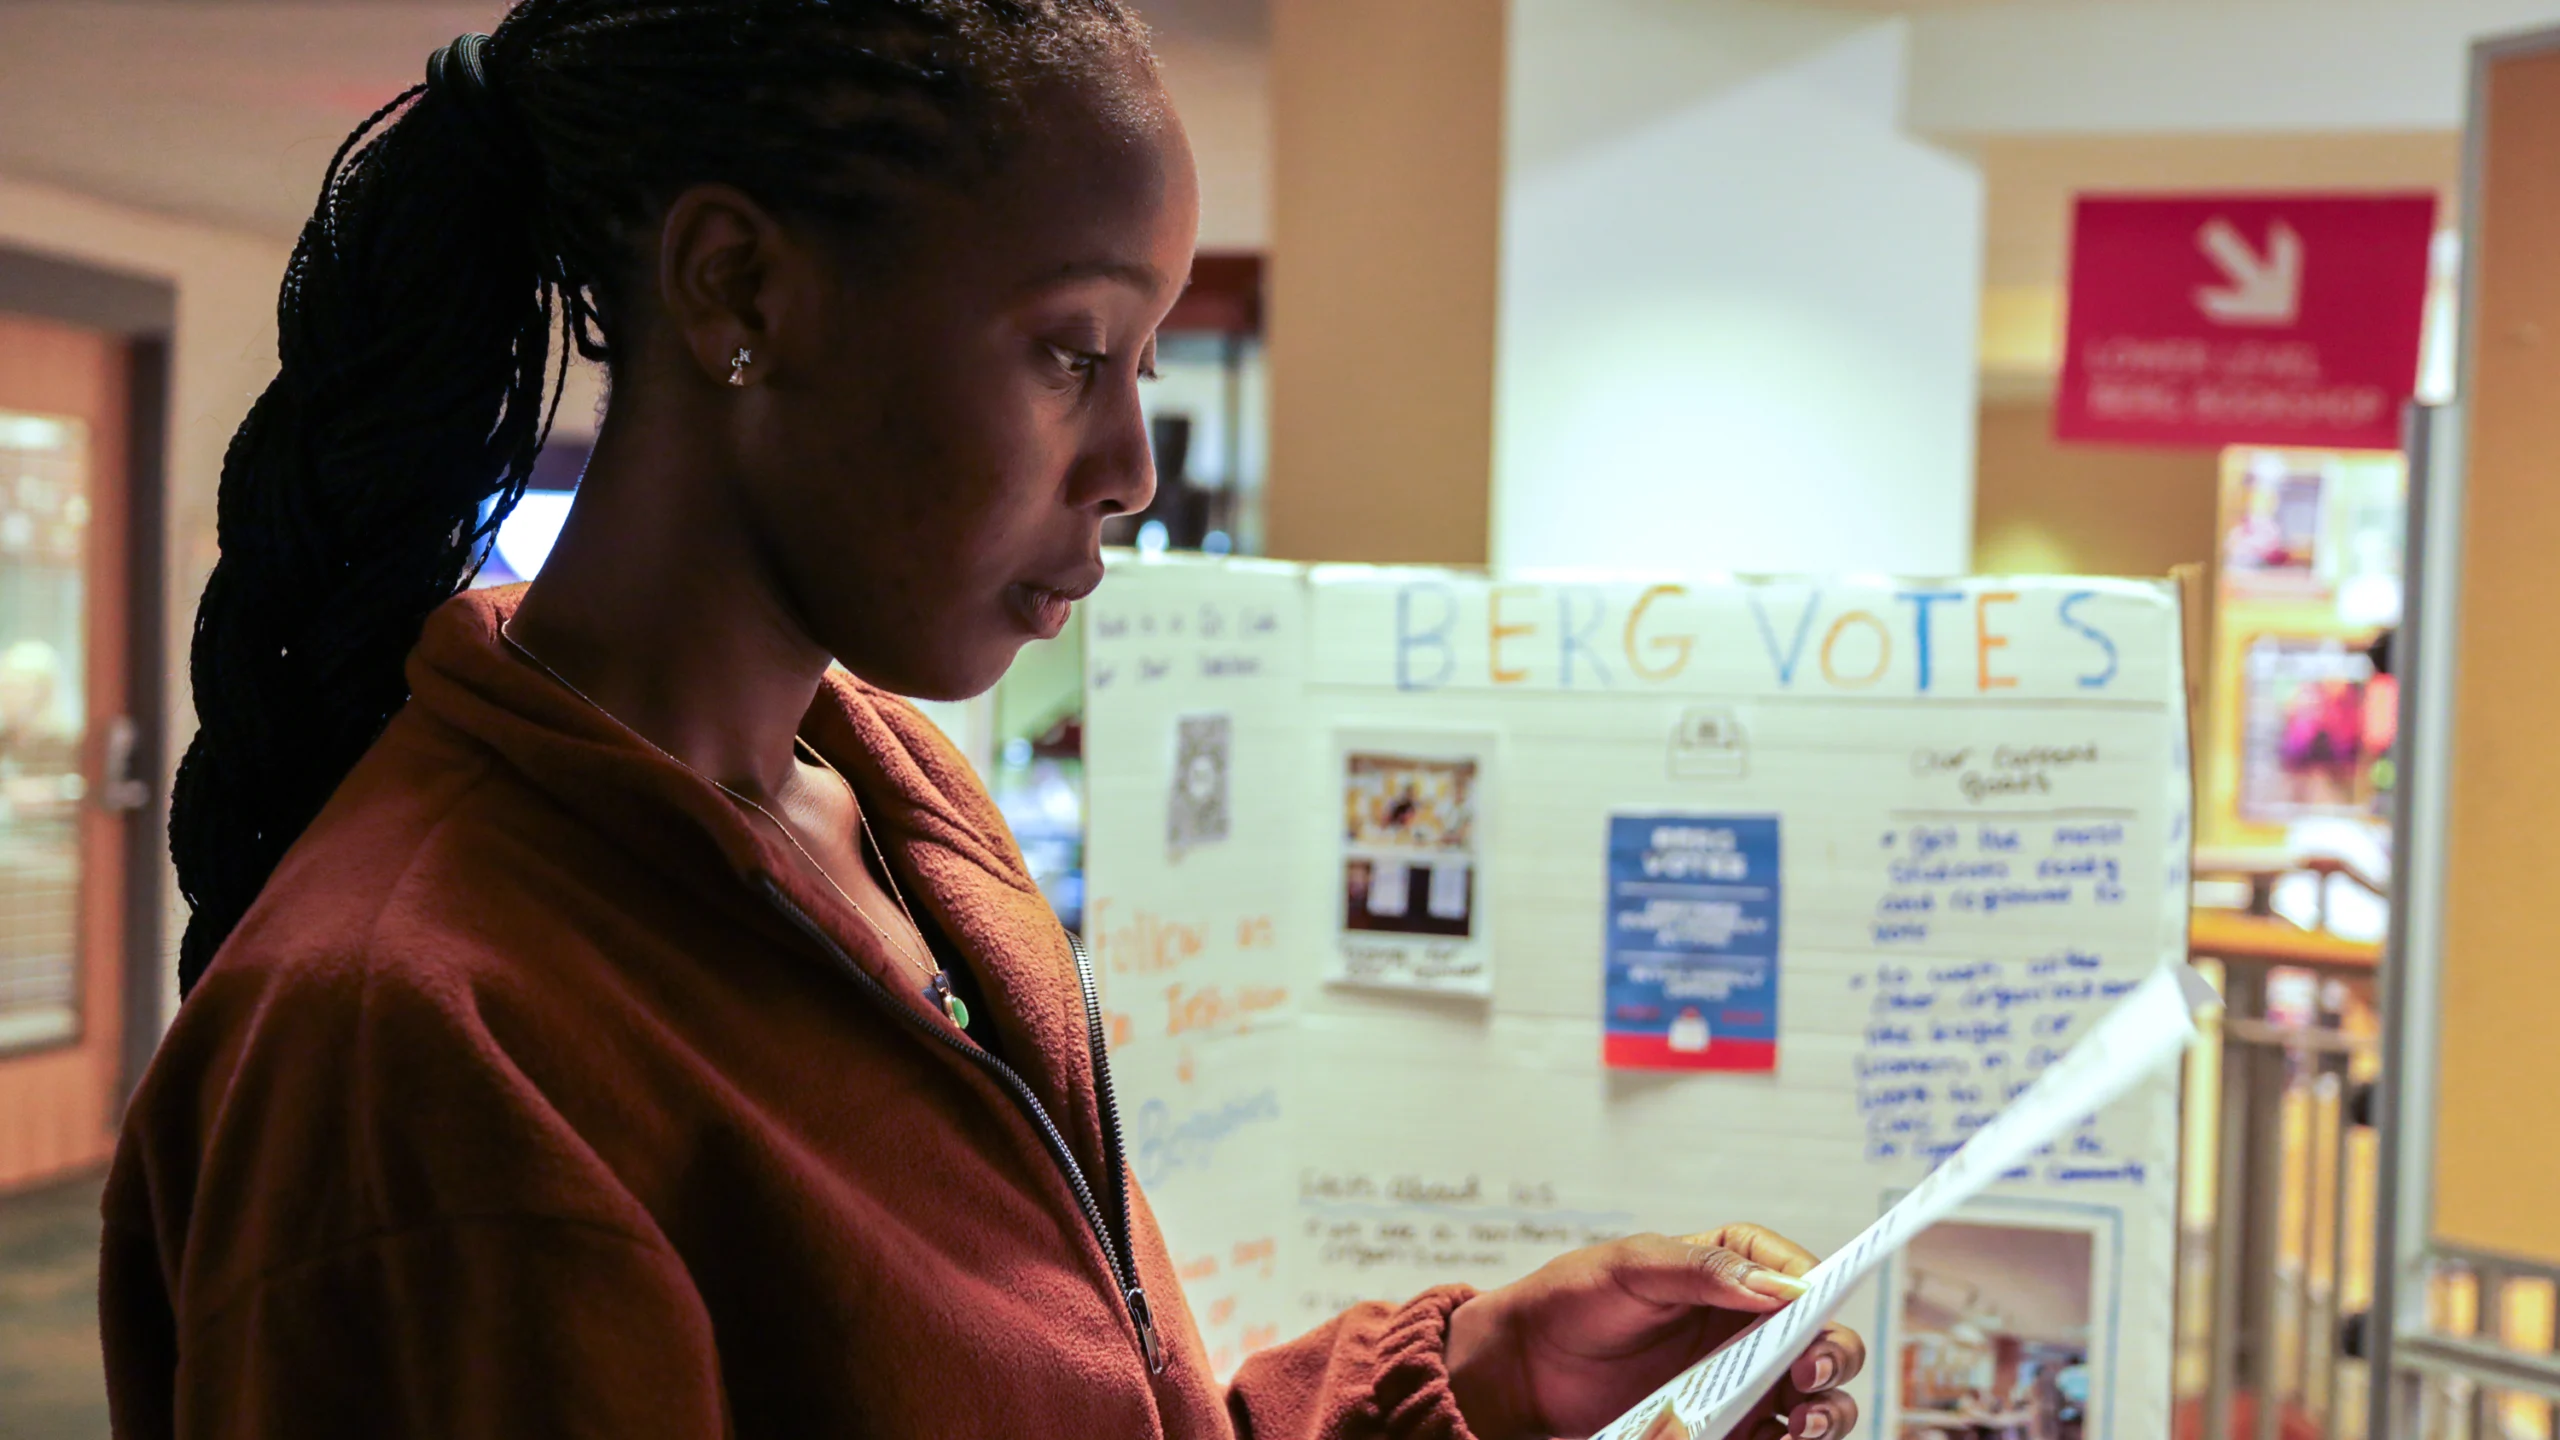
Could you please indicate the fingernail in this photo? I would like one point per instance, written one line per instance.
(1776, 1285)
(1816, 1425)
(1823, 1369)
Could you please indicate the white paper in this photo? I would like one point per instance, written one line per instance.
(2149, 1028)
(1388, 896)
(1449, 889)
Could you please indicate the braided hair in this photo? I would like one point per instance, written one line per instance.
(459, 229)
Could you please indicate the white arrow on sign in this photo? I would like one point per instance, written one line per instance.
(2262, 289)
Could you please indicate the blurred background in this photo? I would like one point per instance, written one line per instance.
(1647, 286)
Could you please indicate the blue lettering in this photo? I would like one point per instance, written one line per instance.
(1921, 600)
(1409, 639)
(2013, 897)
(1909, 1065)
(2130, 1172)
(1943, 871)
(2003, 997)
(1165, 1145)
(1578, 638)
(1769, 637)
(1886, 1099)
(2096, 636)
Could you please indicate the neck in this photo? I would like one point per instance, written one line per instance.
(656, 606)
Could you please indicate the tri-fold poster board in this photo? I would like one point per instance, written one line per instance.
(1448, 922)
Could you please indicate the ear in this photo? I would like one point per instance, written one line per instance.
(732, 278)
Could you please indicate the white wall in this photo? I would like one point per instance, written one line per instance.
(2081, 66)
(1739, 303)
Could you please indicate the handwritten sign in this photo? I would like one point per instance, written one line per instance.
(1917, 837)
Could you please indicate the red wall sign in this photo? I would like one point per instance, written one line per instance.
(2245, 319)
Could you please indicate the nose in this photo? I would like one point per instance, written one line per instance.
(1118, 473)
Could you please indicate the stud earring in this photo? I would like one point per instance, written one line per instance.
(738, 364)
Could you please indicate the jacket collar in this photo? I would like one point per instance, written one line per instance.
(945, 840)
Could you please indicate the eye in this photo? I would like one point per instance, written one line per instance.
(1079, 363)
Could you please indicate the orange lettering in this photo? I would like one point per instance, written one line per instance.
(1264, 1252)
(1681, 644)
(1985, 642)
(1884, 650)
(1500, 633)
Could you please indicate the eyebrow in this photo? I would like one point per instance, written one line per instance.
(1136, 274)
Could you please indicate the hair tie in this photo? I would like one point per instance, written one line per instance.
(459, 73)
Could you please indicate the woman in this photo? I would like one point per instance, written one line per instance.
(619, 1022)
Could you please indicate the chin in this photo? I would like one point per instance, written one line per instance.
(957, 671)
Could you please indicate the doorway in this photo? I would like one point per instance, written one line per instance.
(81, 867)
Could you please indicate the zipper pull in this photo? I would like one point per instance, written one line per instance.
(1148, 1341)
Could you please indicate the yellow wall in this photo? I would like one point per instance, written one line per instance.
(2497, 1174)
(1386, 216)
(2044, 508)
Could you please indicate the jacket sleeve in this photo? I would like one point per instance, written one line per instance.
(494, 1327)
(341, 1208)
(1376, 1372)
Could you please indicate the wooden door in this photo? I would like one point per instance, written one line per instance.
(65, 800)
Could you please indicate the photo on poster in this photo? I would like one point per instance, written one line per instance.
(1691, 953)
(1197, 812)
(1410, 902)
(2311, 729)
(2277, 520)
(2001, 1327)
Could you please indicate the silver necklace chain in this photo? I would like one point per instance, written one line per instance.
(939, 977)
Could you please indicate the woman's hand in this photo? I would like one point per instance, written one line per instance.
(1568, 1349)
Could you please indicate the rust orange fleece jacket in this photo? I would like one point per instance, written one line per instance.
(539, 1095)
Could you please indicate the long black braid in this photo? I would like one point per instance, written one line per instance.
(459, 229)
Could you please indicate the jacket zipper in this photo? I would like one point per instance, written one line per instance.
(1117, 1252)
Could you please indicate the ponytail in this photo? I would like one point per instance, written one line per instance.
(459, 228)
(415, 387)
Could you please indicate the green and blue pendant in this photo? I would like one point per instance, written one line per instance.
(949, 999)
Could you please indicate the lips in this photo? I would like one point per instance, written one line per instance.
(1044, 606)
